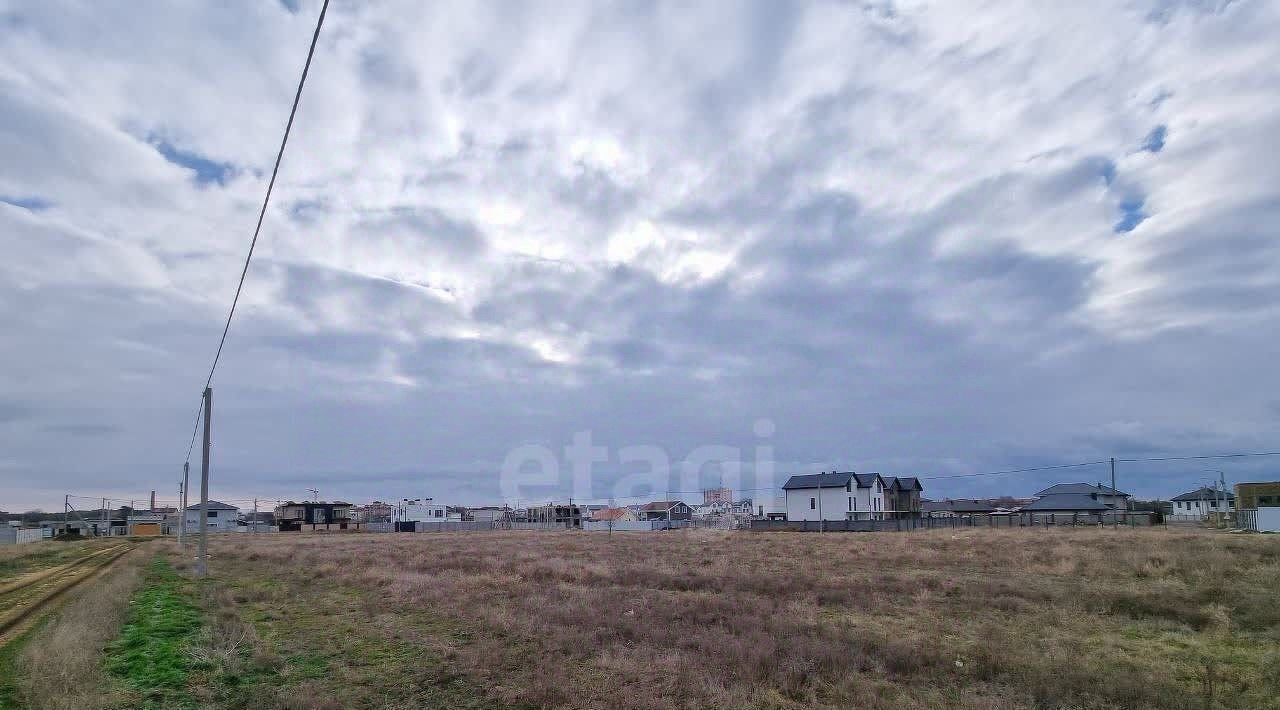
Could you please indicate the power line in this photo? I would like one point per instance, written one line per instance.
(275, 170)
(1199, 458)
(1014, 470)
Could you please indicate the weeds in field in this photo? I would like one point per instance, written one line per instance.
(152, 654)
(939, 619)
(59, 664)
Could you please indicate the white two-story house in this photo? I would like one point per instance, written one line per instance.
(222, 517)
(835, 496)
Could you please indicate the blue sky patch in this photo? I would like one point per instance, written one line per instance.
(1108, 171)
(1155, 139)
(207, 171)
(35, 204)
(1131, 214)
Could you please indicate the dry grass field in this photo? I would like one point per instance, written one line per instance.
(16, 560)
(940, 619)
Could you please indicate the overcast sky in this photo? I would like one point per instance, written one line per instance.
(920, 238)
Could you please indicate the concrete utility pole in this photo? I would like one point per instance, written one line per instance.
(66, 515)
(1222, 506)
(202, 559)
(1113, 476)
(821, 524)
(253, 524)
(186, 486)
(105, 526)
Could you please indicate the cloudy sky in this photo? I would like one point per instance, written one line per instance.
(922, 238)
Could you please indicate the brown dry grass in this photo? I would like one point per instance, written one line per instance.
(946, 619)
(16, 560)
(60, 665)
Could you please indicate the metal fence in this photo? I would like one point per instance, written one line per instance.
(19, 536)
(635, 525)
(1026, 520)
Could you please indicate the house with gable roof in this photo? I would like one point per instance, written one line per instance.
(835, 496)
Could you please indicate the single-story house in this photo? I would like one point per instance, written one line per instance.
(1067, 504)
(955, 508)
(489, 514)
(222, 517)
(1203, 501)
(615, 515)
(1108, 496)
(666, 510)
(146, 523)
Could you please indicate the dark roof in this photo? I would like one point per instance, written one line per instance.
(1066, 502)
(866, 479)
(956, 506)
(903, 482)
(662, 504)
(1205, 493)
(213, 505)
(819, 480)
(1080, 489)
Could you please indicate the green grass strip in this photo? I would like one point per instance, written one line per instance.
(151, 654)
(9, 671)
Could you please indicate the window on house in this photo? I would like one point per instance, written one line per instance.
(213, 514)
(850, 503)
(813, 503)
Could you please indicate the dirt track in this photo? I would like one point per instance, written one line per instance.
(27, 598)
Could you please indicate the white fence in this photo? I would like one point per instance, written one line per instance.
(20, 536)
(1267, 520)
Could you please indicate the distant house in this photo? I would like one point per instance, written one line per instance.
(313, 515)
(1204, 501)
(489, 514)
(146, 524)
(425, 510)
(1067, 504)
(955, 508)
(835, 496)
(616, 515)
(568, 516)
(902, 496)
(375, 512)
(222, 517)
(666, 510)
(1108, 496)
(1253, 495)
(717, 495)
(769, 506)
